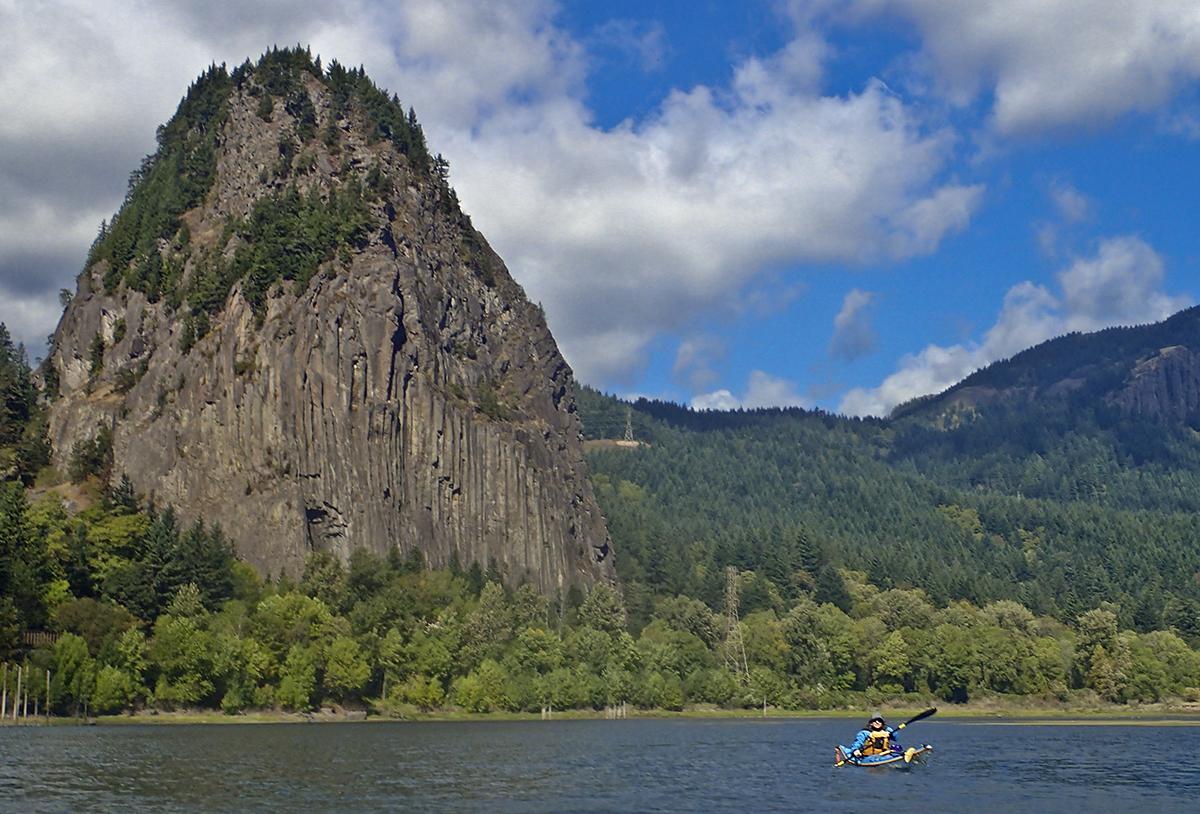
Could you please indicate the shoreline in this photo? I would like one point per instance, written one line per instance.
(985, 713)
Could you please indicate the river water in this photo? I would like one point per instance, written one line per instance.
(593, 766)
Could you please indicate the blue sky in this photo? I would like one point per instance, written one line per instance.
(833, 203)
(1052, 198)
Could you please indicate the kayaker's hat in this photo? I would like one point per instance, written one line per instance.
(874, 718)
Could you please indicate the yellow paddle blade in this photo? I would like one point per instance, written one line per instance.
(909, 754)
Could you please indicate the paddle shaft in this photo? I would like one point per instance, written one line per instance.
(918, 717)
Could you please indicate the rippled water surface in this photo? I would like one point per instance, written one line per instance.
(627, 766)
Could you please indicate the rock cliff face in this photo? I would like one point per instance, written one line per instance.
(390, 387)
(1164, 386)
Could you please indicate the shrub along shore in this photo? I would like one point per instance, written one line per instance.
(989, 713)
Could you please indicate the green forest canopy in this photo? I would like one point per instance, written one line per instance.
(1047, 507)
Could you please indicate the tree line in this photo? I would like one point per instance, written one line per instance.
(153, 614)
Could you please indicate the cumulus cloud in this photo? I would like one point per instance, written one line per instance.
(645, 226)
(1072, 205)
(853, 334)
(1051, 64)
(623, 234)
(762, 390)
(722, 399)
(696, 359)
(1120, 285)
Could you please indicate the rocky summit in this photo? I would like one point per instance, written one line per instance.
(291, 328)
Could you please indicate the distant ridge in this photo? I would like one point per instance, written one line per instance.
(1150, 370)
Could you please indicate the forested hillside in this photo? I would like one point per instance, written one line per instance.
(1061, 502)
(793, 495)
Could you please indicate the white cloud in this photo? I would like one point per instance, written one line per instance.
(1072, 205)
(1071, 208)
(923, 225)
(762, 390)
(853, 334)
(717, 400)
(623, 234)
(462, 61)
(695, 360)
(1054, 63)
(1119, 285)
(27, 316)
(646, 226)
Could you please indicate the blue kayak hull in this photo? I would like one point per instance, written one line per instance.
(887, 759)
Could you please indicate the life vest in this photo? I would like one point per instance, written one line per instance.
(878, 743)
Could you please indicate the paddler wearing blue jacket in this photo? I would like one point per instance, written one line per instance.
(877, 739)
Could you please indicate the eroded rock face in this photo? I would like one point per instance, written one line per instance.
(410, 396)
(1164, 386)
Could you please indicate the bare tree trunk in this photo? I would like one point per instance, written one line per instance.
(4, 694)
(17, 697)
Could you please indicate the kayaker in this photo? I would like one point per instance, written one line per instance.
(877, 739)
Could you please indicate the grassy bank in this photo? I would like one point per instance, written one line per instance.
(990, 711)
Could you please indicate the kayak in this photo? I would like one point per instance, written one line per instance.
(909, 755)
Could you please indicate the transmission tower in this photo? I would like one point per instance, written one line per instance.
(628, 425)
(735, 647)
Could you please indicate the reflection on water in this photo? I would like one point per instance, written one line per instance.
(600, 766)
